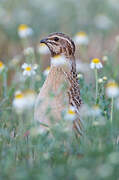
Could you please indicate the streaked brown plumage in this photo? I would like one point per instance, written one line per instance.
(59, 44)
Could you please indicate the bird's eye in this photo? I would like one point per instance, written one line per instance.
(56, 39)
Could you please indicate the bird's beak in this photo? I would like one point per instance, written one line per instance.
(44, 41)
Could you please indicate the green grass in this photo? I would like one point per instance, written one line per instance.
(40, 156)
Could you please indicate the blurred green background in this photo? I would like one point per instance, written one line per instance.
(99, 18)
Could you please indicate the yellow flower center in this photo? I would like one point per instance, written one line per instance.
(57, 56)
(96, 61)
(28, 68)
(22, 27)
(71, 112)
(112, 85)
(48, 68)
(1, 64)
(81, 34)
(104, 78)
(19, 96)
(29, 92)
(95, 107)
(42, 45)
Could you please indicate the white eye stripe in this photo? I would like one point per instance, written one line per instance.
(60, 37)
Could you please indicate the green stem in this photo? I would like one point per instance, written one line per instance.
(96, 81)
(5, 83)
(112, 107)
(31, 84)
(24, 43)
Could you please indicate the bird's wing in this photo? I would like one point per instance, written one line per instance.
(74, 98)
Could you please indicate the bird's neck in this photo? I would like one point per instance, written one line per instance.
(58, 77)
(66, 63)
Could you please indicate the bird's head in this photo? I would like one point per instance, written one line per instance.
(59, 44)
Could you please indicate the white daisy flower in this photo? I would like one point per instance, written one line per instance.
(86, 110)
(100, 80)
(59, 60)
(28, 51)
(104, 78)
(43, 49)
(29, 70)
(95, 111)
(96, 64)
(30, 97)
(46, 71)
(19, 102)
(2, 66)
(23, 100)
(24, 31)
(81, 38)
(105, 58)
(80, 76)
(70, 114)
(112, 89)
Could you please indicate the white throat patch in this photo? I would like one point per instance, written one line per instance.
(59, 60)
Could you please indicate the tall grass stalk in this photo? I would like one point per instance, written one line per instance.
(5, 83)
(112, 108)
(96, 83)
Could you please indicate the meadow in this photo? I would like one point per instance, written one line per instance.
(25, 151)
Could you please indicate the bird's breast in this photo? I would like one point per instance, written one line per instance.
(53, 98)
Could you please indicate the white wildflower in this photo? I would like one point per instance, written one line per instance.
(96, 64)
(86, 110)
(100, 80)
(80, 76)
(46, 71)
(95, 111)
(112, 89)
(2, 66)
(29, 69)
(105, 58)
(24, 31)
(81, 38)
(23, 100)
(43, 49)
(104, 78)
(28, 51)
(30, 97)
(19, 102)
(70, 114)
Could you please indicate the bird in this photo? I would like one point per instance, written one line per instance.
(60, 45)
